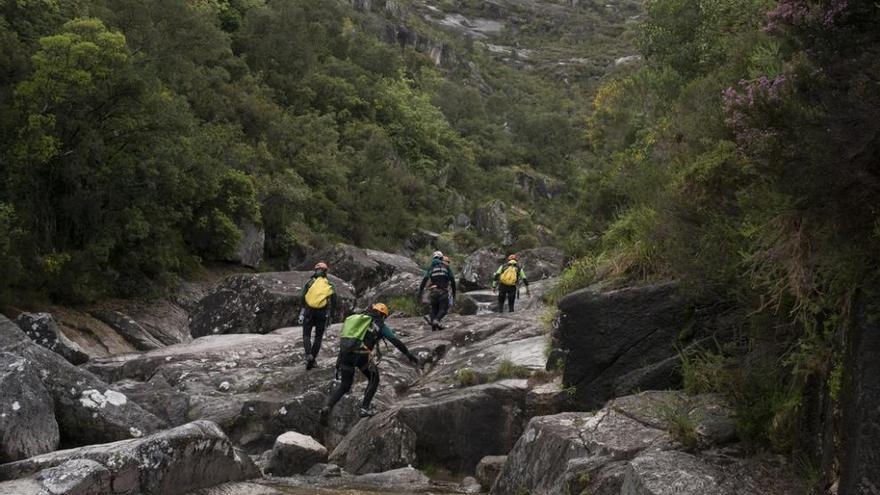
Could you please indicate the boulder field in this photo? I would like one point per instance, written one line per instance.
(227, 406)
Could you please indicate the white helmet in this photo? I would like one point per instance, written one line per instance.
(437, 254)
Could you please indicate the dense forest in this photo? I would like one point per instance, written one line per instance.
(139, 137)
(739, 155)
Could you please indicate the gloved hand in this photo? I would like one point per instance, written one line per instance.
(302, 316)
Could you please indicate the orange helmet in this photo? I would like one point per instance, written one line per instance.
(381, 308)
(512, 257)
(321, 266)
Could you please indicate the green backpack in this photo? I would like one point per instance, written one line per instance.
(356, 327)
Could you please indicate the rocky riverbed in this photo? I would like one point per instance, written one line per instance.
(235, 412)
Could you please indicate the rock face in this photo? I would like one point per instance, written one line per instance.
(627, 449)
(454, 430)
(258, 303)
(491, 220)
(540, 263)
(27, 415)
(268, 392)
(176, 461)
(86, 408)
(488, 470)
(479, 268)
(249, 251)
(363, 268)
(607, 336)
(42, 329)
(861, 401)
(295, 453)
(407, 285)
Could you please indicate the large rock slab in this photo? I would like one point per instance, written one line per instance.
(542, 262)
(145, 324)
(43, 329)
(295, 453)
(606, 335)
(87, 409)
(258, 303)
(363, 268)
(249, 251)
(671, 473)
(27, 414)
(540, 459)
(478, 269)
(491, 220)
(93, 336)
(176, 461)
(454, 430)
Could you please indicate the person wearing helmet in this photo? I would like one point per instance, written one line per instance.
(506, 282)
(359, 350)
(441, 291)
(318, 299)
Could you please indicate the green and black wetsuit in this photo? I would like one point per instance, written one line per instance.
(359, 350)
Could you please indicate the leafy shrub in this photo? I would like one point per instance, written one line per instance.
(467, 377)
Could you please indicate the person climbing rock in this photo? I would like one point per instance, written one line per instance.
(441, 290)
(318, 300)
(506, 282)
(359, 350)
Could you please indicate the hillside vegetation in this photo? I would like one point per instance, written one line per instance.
(138, 138)
(742, 160)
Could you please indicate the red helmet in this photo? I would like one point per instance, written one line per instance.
(321, 266)
(512, 257)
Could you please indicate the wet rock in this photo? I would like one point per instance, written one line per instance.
(42, 329)
(362, 268)
(491, 220)
(27, 414)
(489, 468)
(606, 335)
(479, 268)
(295, 453)
(176, 461)
(87, 409)
(258, 303)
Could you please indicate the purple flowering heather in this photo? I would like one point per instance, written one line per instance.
(799, 12)
(743, 106)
